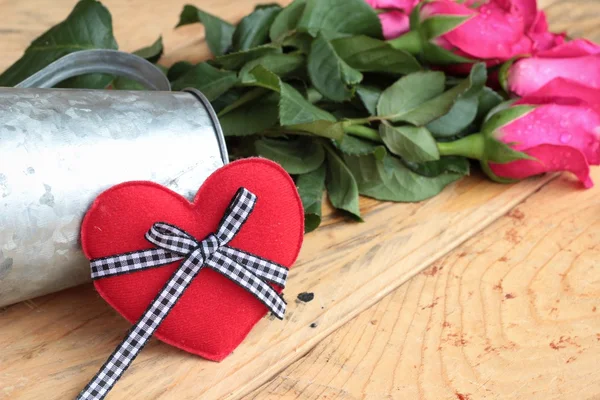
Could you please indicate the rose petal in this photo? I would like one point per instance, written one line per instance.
(403, 5)
(526, 8)
(561, 125)
(574, 48)
(445, 7)
(497, 30)
(530, 74)
(564, 91)
(542, 38)
(550, 158)
(394, 24)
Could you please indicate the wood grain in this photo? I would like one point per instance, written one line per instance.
(514, 313)
(52, 345)
(578, 18)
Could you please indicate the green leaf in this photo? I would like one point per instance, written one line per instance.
(298, 156)
(504, 117)
(439, 106)
(459, 165)
(300, 41)
(234, 61)
(413, 144)
(433, 27)
(226, 99)
(153, 52)
(88, 26)
(328, 129)
(253, 29)
(488, 100)
(369, 97)
(460, 116)
(281, 65)
(253, 117)
(437, 55)
(120, 83)
(262, 77)
(219, 33)
(329, 74)
(178, 69)
(464, 109)
(210, 81)
(341, 185)
(286, 21)
(390, 180)
(408, 93)
(338, 18)
(354, 146)
(295, 111)
(372, 55)
(310, 188)
(313, 95)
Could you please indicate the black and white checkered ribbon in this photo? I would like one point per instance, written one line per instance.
(173, 244)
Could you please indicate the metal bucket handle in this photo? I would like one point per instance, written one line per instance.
(102, 61)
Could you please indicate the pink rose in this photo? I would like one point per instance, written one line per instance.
(562, 132)
(495, 31)
(578, 60)
(395, 18)
(540, 35)
(558, 127)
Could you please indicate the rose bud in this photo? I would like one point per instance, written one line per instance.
(578, 60)
(556, 128)
(394, 15)
(495, 31)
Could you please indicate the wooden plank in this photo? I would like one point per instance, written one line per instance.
(578, 18)
(54, 344)
(514, 313)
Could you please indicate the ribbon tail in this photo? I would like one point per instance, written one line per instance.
(142, 331)
(249, 281)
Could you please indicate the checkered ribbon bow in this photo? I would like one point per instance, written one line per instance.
(173, 244)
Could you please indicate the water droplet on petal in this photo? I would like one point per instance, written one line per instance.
(565, 137)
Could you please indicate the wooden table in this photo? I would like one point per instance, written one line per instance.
(508, 308)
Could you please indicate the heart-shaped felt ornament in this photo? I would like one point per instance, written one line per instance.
(214, 314)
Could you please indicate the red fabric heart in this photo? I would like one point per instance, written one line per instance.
(214, 315)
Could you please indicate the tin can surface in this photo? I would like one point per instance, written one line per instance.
(59, 149)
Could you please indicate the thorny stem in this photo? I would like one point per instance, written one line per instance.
(471, 146)
(363, 132)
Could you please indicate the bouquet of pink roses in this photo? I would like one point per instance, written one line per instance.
(384, 98)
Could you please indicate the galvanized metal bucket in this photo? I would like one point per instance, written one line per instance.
(60, 148)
